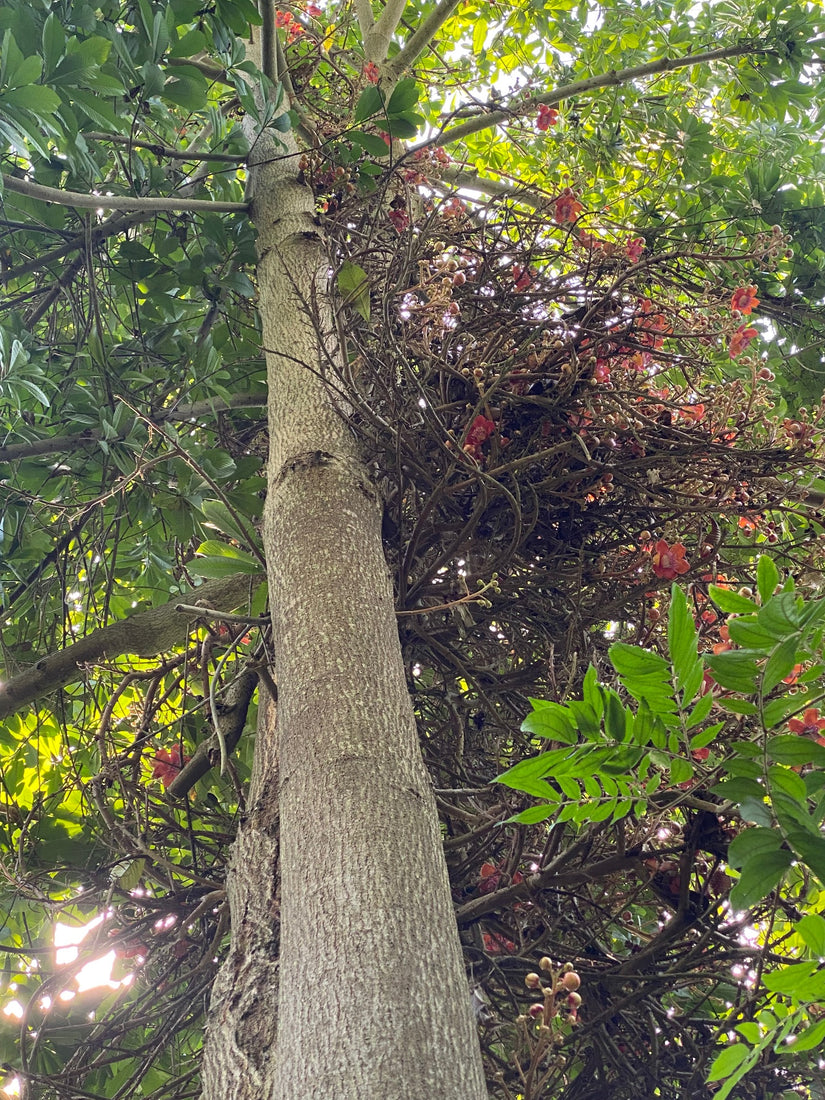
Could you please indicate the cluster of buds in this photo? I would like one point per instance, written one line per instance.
(559, 987)
(427, 165)
(773, 246)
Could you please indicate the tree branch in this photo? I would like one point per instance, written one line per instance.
(161, 150)
(583, 87)
(549, 879)
(117, 202)
(460, 177)
(144, 635)
(79, 240)
(377, 42)
(418, 42)
(366, 22)
(210, 71)
(62, 443)
(232, 717)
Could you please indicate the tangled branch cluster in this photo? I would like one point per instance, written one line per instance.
(568, 420)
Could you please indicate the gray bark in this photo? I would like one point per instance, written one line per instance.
(373, 1000)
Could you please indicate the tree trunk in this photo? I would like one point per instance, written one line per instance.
(373, 1000)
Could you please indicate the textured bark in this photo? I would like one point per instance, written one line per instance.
(373, 1002)
(240, 1045)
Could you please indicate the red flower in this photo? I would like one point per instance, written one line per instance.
(669, 561)
(740, 340)
(313, 10)
(295, 29)
(371, 72)
(601, 372)
(634, 249)
(453, 208)
(566, 208)
(744, 299)
(808, 725)
(168, 762)
(491, 878)
(283, 18)
(694, 413)
(749, 523)
(548, 116)
(523, 276)
(400, 219)
(480, 431)
(496, 944)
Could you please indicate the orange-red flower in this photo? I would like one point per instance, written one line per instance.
(168, 762)
(740, 340)
(669, 561)
(523, 276)
(566, 208)
(634, 249)
(601, 372)
(480, 431)
(808, 725)
(492, 878)
(548, 116)
(693, 413)
(744, 299)
(371, 72)
(283, 18)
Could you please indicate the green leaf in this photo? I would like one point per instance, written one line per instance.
(354, 286)
(803, 981)
(534, 814)
(759, 876)
(730, 1059)
(405, 95)
(370, 102)
(370, 143)
(187, 87)
(780, 663)
(633, 661)
(682, 645)
(750, 843)
(189, 44)
(794, 750)
(680, 771)
(219, 516)
(809, 1039)
(536, 767)
(27, 72)
(217, 567)
(812, 930)
(404, 126)
(736, 670)
(551, 720)
(810, 848)
(737, 789)
(767, 577)
(727, 600)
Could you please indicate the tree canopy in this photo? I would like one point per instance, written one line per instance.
(566, 303)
